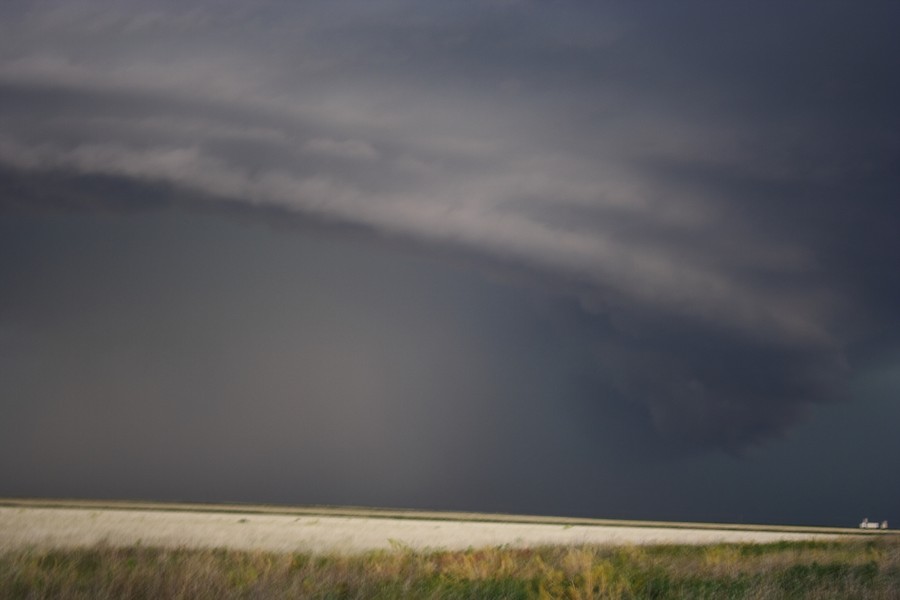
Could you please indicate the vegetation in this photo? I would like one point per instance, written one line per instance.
(846, 569)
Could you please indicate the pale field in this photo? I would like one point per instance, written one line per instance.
(68, 527)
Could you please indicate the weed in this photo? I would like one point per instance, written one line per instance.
(846, 569)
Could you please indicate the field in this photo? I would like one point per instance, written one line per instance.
(324, 530)
(131, 550)
(839, 569)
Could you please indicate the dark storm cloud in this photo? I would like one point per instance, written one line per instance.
(713, 183)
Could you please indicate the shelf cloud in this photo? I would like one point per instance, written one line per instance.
(714, 184)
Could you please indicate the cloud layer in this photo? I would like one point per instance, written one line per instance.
(706, 181)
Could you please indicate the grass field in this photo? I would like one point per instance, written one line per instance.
(851, 568)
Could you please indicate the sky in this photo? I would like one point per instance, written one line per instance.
(602, 259)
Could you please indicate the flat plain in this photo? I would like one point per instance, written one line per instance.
(78, 550)
(46, 524)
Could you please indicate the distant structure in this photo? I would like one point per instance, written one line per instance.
(866, 524)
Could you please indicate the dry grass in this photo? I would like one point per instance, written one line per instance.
(845, 569)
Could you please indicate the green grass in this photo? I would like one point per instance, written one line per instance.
(843, 569)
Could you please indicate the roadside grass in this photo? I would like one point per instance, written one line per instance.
(841, 569)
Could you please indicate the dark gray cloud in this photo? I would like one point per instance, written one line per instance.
(710, 190)
(180, 356)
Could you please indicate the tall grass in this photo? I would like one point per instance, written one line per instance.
(846, 569)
